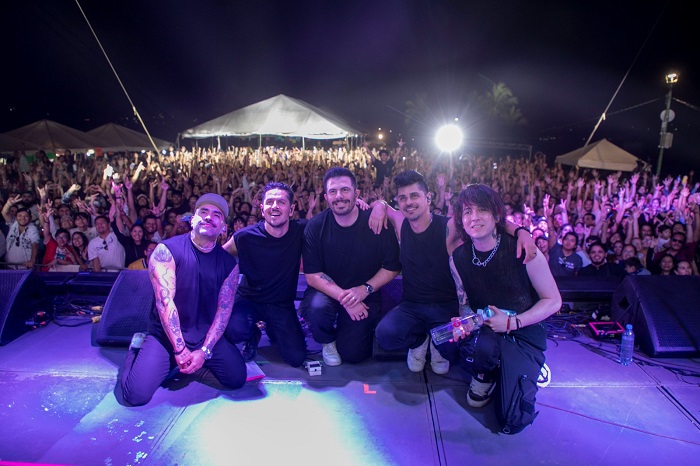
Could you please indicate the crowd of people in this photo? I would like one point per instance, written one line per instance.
(351, 220)
(642, 224)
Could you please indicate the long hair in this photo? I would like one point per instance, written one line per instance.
(481, 196)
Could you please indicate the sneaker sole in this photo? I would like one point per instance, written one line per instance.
(476, 403)
(440, 370)
(332, 363)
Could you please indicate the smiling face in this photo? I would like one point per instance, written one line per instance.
(208, 221)
(479, 223)
(277, 208)
(340, 195)
(597, 254)
(413, 202)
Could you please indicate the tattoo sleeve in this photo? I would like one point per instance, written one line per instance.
(161, 269)
(461, 293)
(223, 311)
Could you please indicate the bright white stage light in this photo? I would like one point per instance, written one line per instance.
(448, 138)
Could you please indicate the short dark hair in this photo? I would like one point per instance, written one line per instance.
(633, 262)
(281, 186)
(337, 172)
(481, 196)
(571, 233)
(383, 151)
(409, 177)
(62, 230)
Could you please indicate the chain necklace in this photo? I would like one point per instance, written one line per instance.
(477, 262)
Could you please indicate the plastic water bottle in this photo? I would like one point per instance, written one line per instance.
(627, 346)
(469, 322)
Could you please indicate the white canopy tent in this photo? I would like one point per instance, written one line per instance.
(279, 116)
(601, 155)
(11, 144)
(116, 138)
(51, 136)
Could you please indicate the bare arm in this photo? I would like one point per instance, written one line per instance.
(223, 310)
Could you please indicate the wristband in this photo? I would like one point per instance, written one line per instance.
(515, 233)
(508, 325)
(518, 324)
(180, 352)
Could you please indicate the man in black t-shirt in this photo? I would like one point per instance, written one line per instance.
(269, 256)
(345, 263)
(429, 297)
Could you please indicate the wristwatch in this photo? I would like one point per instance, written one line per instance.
(369, 288)
(207, 352)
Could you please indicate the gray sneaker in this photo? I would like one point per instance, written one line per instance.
(439, 364)
(416, 356)
(330, 355)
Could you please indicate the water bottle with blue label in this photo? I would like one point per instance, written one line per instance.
(467, 324)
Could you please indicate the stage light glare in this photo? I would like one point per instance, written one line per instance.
(448, 138)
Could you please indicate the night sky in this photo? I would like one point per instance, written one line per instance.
(186, 62)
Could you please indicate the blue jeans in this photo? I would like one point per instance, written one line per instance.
(281, 324)
(329, 322)
(406, 325)
(146, 369)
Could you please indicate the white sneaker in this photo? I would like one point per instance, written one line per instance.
(545, 376)
(330, 355)
(439, 364)
(416, 356)
(479, 393)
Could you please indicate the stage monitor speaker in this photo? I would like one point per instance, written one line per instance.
(127, 309)
(664, 311)
(21, 295)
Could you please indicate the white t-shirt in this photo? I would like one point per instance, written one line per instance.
(23, 252)
(109, 251)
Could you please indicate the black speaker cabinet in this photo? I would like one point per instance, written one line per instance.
(21, 295)
(127, 309)
(665, 313)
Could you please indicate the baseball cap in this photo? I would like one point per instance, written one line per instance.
(213, 199)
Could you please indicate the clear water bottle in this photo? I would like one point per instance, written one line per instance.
(627, 346)
(468, 323)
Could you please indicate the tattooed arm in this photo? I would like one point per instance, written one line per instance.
(461, 293)
(223, 310)
(161, 269)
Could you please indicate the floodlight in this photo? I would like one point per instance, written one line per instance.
(448, 138)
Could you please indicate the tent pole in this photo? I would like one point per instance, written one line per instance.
(303, 143)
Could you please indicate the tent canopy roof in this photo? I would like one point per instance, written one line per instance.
(49, 135)
(601, 155)
(117, 138)
(280, 116)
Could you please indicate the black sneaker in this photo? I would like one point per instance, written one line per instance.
(479, 393)
(251, 346)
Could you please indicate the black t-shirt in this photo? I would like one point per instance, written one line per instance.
(425, 264)
(270, 265)
(605, 270)
(198, 280)
(349, 255)
(503, 283)
(383, 169)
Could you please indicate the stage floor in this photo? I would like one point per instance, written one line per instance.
(58, 405)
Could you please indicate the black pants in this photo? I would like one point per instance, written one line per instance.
(146, 369)
(329, 322)
(282, 326)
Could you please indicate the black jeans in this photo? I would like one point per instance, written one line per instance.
(406, 325)
(329, 322)
(281, 324)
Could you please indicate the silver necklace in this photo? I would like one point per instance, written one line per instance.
(477, 262)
